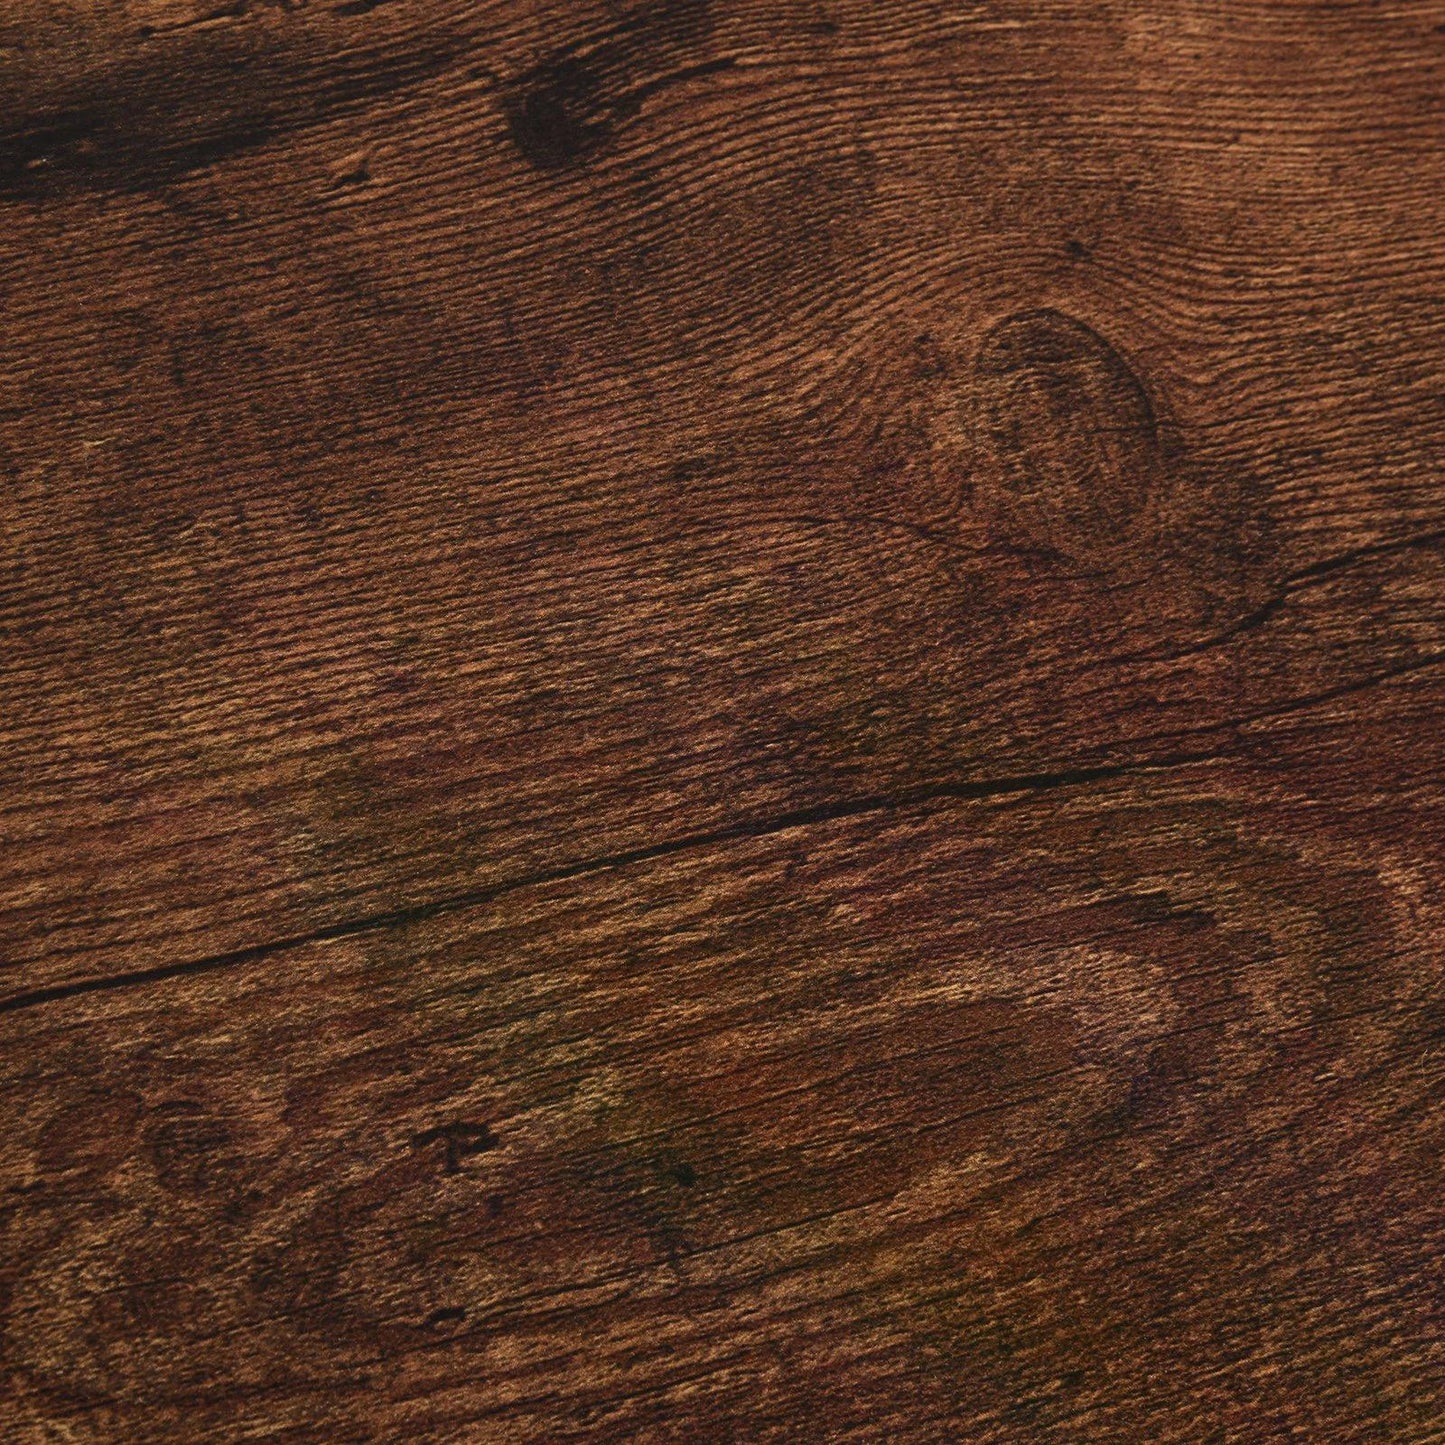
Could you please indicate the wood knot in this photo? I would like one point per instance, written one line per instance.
(559, 115)
(1067, 450)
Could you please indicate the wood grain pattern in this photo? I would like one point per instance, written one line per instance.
(721, 721)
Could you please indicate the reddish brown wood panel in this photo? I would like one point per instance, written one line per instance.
(722, 721)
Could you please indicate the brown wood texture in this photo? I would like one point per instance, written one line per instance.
(721, 721)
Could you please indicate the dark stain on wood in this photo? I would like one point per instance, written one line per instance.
(137, 126)
(186, 1144)
(572, 104)
(459, 1142)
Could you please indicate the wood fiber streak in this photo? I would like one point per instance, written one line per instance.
(720, 721)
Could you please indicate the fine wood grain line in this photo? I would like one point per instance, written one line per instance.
(720, 721)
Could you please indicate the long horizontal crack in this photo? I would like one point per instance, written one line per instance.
(737, 832)
(753, 828)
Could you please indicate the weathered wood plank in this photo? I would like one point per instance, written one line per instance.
(1109, 1112)
(721, 721)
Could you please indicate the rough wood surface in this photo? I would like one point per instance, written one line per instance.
(721, 721)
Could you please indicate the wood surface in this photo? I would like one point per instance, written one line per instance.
(722, 721)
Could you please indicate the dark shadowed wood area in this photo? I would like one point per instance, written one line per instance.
(721, 721)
